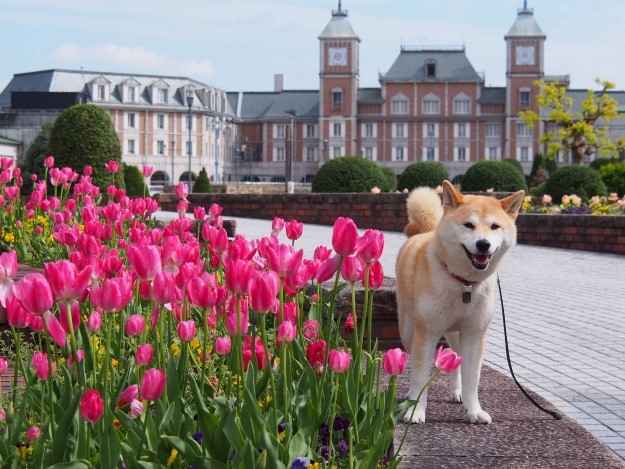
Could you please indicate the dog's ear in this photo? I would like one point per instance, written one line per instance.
(451, 196)
(513, 203)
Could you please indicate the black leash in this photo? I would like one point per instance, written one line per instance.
(553, 413)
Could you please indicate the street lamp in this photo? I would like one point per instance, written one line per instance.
(216, 128)
(288, 162)
(189, 125)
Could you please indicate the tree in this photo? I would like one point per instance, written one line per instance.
(202, 185)
(133, 179)
(34, 156)
(584, 132)
(84, 135)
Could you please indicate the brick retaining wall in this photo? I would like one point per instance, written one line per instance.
(388, 212)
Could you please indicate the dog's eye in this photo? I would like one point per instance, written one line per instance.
(494, 226)
(469, 225)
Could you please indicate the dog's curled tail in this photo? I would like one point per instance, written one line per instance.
(424, 211)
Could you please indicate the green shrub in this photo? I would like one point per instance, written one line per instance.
(34, 156)
(542, 168)
(498, 175)
(348, 174)
(613, 176)
(515, 164)
(390, 184)
(84, 135)
(599, 162)
(580, 180)
(422, 174)
(202, 185)
(538, 191)
(133, 179)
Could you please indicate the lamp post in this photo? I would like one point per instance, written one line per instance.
(189, 125)
(288, 162)
(216, 128)
(172, 181)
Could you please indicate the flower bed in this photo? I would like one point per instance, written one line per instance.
(147, 346)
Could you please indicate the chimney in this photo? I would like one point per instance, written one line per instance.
(278, 83)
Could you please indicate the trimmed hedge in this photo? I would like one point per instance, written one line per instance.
(613, 176)
(391, 180)
(580, 180)
(423, 173)
(348, 174)
(133, 179)
(600, 162)
(84, 135)
(501, 176)
(515, 164)
(34, 156)
(202, 185)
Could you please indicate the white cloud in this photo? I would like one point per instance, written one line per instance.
(128, 58)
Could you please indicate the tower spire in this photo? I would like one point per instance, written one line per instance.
(339, 11)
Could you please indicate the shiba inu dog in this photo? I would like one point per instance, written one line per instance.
(446, 286)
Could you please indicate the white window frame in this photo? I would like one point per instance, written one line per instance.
(426, 130)
(163, 95)
(160, 116)
(462, 105)
(523, 130)
(335, 126)
(399, 153)
(492, 130)
(131, 120)
(430, 149)
(337, 151)
(308, 128)
(369, 153)
(528, 154)
(523, 91)
(337, 103)
(279, 131)
(132, 94)
(368, 130)
(131, 146)
(431, 105)
(311, 153)
(462, 130)
(458, 150)
(492, 155)
(400, 130)
(160, 147)
(101, 90)
(400, 105)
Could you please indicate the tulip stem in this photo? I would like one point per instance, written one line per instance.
(334, 397)
(17, 365)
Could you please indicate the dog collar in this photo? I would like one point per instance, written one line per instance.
(467, 286)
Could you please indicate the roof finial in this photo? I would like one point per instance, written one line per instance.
(339, 11)
(525, 4)
(341, 8)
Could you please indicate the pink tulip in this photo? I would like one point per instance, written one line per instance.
(146, 260)
(259, 352)
(199, 213)
(277, 224)
(294, 230)
(91, 405)
(34, 293)
(395, 361)
(36, 323)
(11, 192)
(94, 323)
(135, 325)
(203, 291)
(55, 329)
(111, 166)
(74, 311)
(217, 238)
(136, 409)
(351, 269)
(238, 275)
(87, 170)
(344, 236)
(283, 259)
(144, 354)
(339, 360)
(182, 191)
(41, 365)
(4, 366)
(33, 433)
(3, 415)
(322, 253)
(186, 330)
(447, 361)
(287, 331)
(147, 171)
(215, 211)
(233, 326)
(370, 245)
(128, 395)
(290, 311)
(17, 316)
(8, 269)
(48, 162)
(78, 357)
(263, 291)
(164, 289)
(311, 329)
(66, 281)
(223, 345)
(153, 384)
(376, 275)
(327, 269)
(114, 294)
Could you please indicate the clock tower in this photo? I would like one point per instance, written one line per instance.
(525, 44)
(338, 88)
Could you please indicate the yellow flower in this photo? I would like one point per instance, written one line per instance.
(9, 237)
(195, 344)
(172, 457)
(314, 465)
(174, 348)
(117, 424)
(24, 452)
(114, 363)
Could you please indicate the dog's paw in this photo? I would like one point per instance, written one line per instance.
(479, 416)
(457, 397)
(414, 414)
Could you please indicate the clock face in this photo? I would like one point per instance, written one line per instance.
(337, 56)
(525, 55)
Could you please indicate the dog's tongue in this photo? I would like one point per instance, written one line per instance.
(481, 258)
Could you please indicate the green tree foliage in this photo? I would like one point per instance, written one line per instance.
(580, 180)
(516, 164)
(497, 175)
(542, 168)
(613, 176)
(202, 184)
(34, 156)
(84, 135)
(421, 174)
(348, 174)
(391, 179)
(576, 130)
(133, 179)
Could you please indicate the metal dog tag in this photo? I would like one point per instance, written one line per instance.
(466, 293)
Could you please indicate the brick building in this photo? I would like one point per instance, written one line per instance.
(431, 105)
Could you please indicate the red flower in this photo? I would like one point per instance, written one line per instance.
(91, 405)
(315, 353)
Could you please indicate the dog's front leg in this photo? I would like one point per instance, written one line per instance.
(471, 349)
(422, 358)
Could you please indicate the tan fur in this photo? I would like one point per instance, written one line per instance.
(429, 299)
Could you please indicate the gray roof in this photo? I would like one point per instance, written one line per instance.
(8, 141)
(451, 65)
(579, 95)
(370, 96)
(338, 27)
(525, 25)
(493, 95)
(76, 81)
(273, 105)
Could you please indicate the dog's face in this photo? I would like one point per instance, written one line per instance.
(476, 231)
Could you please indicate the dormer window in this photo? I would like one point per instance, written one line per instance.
(101, 93)
(430, 69)
(132, 94)
(163, 96)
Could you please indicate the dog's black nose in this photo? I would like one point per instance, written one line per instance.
(483, 245)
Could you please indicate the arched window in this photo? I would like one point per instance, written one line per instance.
(399, 104)
(431, 104)
(337, 99)
(462, 104)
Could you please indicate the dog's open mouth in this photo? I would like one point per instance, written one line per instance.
(479, 261)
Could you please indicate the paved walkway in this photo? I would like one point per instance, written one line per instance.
(566, 325)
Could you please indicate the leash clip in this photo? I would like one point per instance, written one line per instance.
(467, 290)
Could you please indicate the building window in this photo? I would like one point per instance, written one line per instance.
(431, 105)
(462, 106)
(524, 98)
(400, 130)
(399, 105)
(369, 130)
(369, 153)
(310, 131)
(163, 96)
(337, 151)
(430, 69)
(462, 154)
(101, 93)
(189, 148)
(430, 154)
(160, 121)
(337, 100)
(525, 154)
(462, 130)
(160, 147)
(311, 154)
(430, 130)
(493, 153)
(492, 130)
(280, 154)
(337, 129)
(131, 147)
(523, 130)
(131, 120)
(132, 94)
(399, 153)
(280, 131)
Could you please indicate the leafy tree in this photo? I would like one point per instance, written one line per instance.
(579, 180)
(202, 184)
(613, 175)
(348, 174)
(391, 179)
(34, 156)
(133, 179)
(84, 135)
(584, 131)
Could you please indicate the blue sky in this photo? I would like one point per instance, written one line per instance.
(240, 44)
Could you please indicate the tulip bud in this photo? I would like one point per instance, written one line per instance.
(223, 345)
